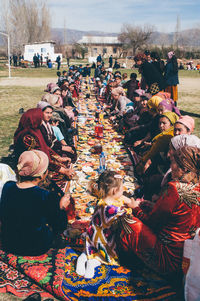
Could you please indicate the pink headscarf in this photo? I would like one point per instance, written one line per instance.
(188, 122)
(32, 163)
(49, 87)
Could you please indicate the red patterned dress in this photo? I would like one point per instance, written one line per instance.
(158, 237)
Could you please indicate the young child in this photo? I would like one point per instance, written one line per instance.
(100, 245)
(54, 121)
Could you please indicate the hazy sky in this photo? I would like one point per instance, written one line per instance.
(109, 15)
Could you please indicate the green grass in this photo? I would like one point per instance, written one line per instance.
(46, 72)
(189, 73)
(189, 104)
(12, 99)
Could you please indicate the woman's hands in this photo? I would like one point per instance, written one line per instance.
(68, 149)
(65, 201)
(70, 173)
(132, 203)
(65, 160)
(141, 167)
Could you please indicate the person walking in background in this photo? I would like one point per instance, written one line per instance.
(15, 60)
(35, 60)
(97, 71)
(41, 60)
(58, 61)
(110, 61)
(99, 58)
(47, 59)
(171, 75)
(38, 60)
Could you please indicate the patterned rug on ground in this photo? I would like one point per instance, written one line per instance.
(54, 274)
(113, 283)
(14, 282)
(23, 275)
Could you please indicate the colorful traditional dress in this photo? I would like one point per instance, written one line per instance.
(158, 237)
(28, 136)
(100, 239)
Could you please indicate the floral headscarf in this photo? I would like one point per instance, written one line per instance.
(188, 158)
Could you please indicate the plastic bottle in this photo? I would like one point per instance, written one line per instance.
(101, 116)
(102, 162)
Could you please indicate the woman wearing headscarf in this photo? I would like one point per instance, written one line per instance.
(179, 141)
(28, 136)
(185, 125)
(145, 132)
(48, 134)
(171, 75)
(160, 143)
(121, 101)
(30, 216)
(157, 238)
(168, 105)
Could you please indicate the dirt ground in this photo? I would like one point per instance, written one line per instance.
(187, 85)
(26, 82)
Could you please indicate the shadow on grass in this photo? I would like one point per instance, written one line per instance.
(190, 114)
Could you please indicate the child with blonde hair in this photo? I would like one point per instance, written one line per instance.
(100, 244)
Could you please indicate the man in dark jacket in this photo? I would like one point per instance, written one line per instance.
(58, 61)
(86, 71)
(97, 71)
(110, 61)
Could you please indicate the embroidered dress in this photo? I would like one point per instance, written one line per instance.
(100, 238)
(158, 237)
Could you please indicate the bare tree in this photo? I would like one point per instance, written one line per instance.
(135, 37)
(80, 49)
(26, 22)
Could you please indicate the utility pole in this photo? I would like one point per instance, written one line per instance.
(8, 38)
(65, 33)
(177, 32)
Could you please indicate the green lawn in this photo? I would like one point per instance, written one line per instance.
(14, 98)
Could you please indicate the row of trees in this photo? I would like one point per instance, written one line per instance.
(138, 38)
(26, 21)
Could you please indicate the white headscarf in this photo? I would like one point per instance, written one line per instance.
(185, 140)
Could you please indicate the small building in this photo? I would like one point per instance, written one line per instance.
(102, 45)
(46, 49)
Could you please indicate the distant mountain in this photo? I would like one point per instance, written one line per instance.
(73, 35)
(189, 37)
